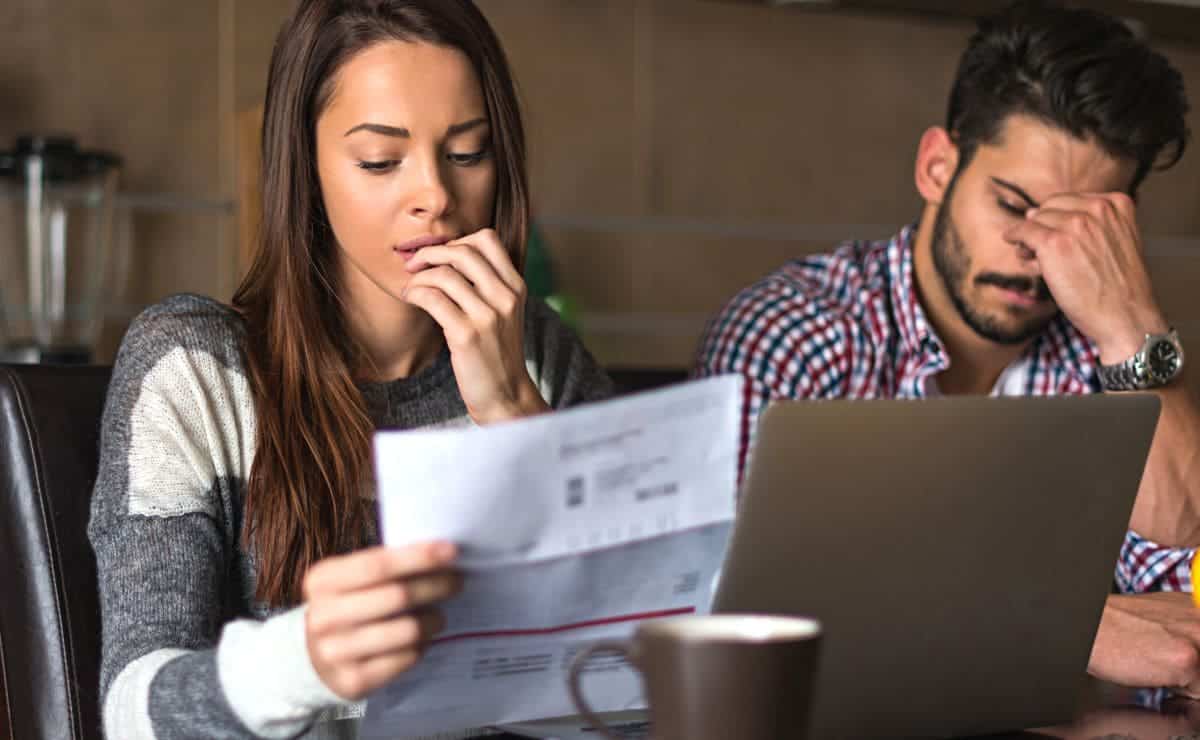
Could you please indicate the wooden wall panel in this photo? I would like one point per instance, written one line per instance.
(658, 129)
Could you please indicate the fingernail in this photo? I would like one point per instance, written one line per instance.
(1031, 213)
(444, 550)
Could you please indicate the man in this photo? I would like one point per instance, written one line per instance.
(1024, 276)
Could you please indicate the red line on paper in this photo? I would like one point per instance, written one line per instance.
(567, 627)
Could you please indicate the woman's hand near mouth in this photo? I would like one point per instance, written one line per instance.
(473, 291)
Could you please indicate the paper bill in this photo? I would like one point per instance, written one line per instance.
(573, 527)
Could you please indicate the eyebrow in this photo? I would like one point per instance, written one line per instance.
(403, 133)
(1016, 191)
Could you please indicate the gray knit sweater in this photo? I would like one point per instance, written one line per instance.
(187, 651)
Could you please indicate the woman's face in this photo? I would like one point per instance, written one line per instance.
(404, 159)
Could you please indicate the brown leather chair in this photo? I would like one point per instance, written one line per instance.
(49, 613)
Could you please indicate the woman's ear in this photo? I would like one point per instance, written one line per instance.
(937, 161)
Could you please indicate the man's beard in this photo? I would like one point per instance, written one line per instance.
(953, 265)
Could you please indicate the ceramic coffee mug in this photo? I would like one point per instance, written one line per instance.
(718, 677)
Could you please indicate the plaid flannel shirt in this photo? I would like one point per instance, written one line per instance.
(849, 325)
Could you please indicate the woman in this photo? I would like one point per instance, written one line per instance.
(242, 589)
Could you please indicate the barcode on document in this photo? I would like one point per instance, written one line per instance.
(574, 491)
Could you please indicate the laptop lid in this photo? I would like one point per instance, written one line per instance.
(958, 551)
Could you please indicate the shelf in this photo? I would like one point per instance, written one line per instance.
(173, 202)
(1163, 20)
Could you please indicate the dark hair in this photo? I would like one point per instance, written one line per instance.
(1079, 70)
(306, 493)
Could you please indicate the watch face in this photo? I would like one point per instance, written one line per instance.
(1163, 359)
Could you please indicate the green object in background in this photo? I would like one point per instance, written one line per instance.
(566, 309)
(539, 275)
(539, 278)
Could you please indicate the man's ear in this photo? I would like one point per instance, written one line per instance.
(937, 161)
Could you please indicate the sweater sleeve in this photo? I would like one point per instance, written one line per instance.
(178, 660)
(566, 374)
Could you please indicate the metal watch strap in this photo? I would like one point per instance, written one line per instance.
(1122, 376)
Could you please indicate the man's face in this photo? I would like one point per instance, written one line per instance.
(996, 284)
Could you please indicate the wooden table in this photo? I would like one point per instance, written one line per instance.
(1129, 724)
(1106, 713)
(1109, 713)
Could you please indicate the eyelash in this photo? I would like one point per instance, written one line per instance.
(1010, 208)
(461, 160)
(468, 160)
(376, 168)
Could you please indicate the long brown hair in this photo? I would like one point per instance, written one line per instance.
(305, 494)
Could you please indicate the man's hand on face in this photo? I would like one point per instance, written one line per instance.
(1149, 640)
(1090, 252)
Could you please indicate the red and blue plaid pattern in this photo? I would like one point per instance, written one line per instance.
(849, 325)
(1148, 566)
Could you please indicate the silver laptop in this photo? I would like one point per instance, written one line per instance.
(958, 551)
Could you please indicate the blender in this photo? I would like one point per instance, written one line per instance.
(56, 248)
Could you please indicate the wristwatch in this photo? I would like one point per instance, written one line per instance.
(1159, 361)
